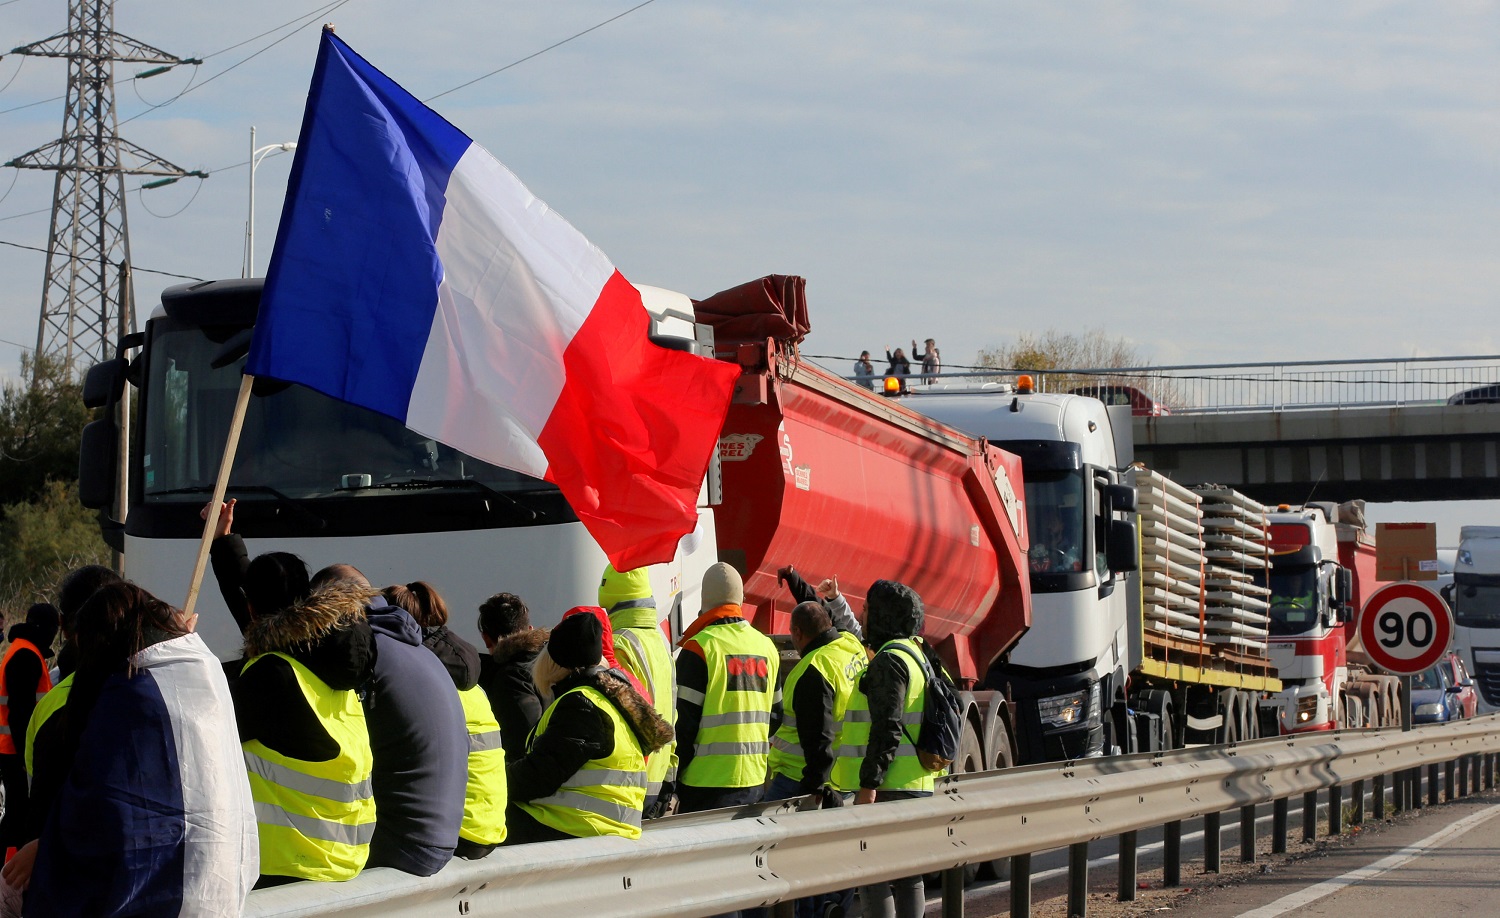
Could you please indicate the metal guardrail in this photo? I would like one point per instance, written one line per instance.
(1266, 386)
(705, 864)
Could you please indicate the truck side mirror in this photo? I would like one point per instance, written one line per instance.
(1121, 498)
(1447, 593)
(1122, 551)
(104, 382)
(96, 464)
(1345, 581)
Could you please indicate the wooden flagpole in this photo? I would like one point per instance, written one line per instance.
(242, 402)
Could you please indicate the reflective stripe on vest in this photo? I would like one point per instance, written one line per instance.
(734, 733)
(840, 662)
(660, 678)
(315, 818)
(906, 771)
(485, 791)
(605, 796)
(43, 685)
(50, 704)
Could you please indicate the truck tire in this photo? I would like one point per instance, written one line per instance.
(1158, 702)
(970, 761)
(1354, 712)
(1367, 693)
(1250, 711)
(1229, 709)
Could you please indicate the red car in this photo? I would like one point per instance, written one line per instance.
(1466, 698)
(1141, 404)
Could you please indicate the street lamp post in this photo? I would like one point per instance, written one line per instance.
(256, 155)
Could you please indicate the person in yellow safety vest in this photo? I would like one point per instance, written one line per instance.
(483, 826)
(303, 731)
(817, 694)
(24, 680)
(642, 650)
(877, 751)
(728, 700)
(584, 772)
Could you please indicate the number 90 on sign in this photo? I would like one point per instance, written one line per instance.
(1405, 628)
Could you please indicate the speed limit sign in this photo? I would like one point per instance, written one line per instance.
(1405, 628)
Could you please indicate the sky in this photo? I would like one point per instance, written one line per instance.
(1213, 181)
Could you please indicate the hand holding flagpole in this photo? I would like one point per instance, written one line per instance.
(216, 504)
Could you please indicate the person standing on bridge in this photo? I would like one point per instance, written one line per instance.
(877, 750)
(584, 772)
(932, 362)
(728, 700)
(642, 649)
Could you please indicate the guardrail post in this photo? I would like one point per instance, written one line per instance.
(1474, 775)
(1247, 834)
(1310, 816)
(1171, 853)
(1413, 778)
(1463, 776)
(1211, 841)
(787, 909)
(1489, 771)
(1402, 791)
(1078, 879)
(1377, 794)
(1450, 775)
(1357, 818)
(1279, 810)
(1336, 810)
(953, 893)
(1127, 867)
(1432, 784)
(1020, 886)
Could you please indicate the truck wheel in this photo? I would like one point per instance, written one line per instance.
(970, 760)
(1229, 709)
(1158, 702)
(1250, 708)
(1354, 716)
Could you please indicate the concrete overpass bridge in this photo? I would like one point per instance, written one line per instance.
(1382, 430)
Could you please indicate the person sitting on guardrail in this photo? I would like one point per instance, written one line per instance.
(642, 649)
(584, 771)
(505, 672)
(483, 826)
(877, 749)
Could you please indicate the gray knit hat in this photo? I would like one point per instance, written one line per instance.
(721, 586)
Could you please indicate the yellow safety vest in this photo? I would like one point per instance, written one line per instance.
(906, 771)
(50, 704)
(315, 818)
(644, 653)
(841, 662)
(605, 796)
(734, 733)
(484, 795)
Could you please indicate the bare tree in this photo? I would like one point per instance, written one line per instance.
(1056, 358)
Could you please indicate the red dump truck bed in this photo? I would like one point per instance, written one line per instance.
(840, 481)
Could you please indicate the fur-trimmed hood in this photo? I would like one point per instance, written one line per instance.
(526, 644)
(326, 632)
(649, 727)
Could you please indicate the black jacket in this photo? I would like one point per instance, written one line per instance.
(884, 682)
(817, 729)
(578, 732)
(230, 560)
(457, 655)
(505, 676)
(328, 634)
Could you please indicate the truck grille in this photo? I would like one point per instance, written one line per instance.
(1487, 676)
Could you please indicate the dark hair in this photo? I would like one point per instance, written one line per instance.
(78, 586)
(811, 618)
(117, 622)
(502, 614)
(275, 581)
(422, 600)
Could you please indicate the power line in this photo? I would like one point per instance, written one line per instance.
(541, 52)
(32, 248)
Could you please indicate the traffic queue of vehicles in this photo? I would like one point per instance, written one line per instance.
(1085, 605)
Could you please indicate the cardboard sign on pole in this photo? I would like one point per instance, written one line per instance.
(1406, 551)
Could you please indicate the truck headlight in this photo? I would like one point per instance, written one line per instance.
(1067, 710)
(1307, 708)
(1429, 710)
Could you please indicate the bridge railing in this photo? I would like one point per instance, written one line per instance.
(1271, 385)
(711, 863)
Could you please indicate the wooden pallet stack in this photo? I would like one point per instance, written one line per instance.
(1173, 566)
(1235, 539)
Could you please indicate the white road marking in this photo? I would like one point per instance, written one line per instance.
(1370, 871)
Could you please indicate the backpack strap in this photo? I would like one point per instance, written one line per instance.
(921, 660)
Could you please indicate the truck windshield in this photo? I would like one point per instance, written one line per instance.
(296, 443)
(1294, 598)
(1056, 512)
(1476, 601)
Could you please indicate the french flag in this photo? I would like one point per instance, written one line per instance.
(414, 275)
